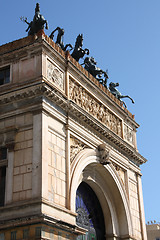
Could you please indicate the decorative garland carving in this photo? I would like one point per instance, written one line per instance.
(128, 134)
(55, 75)
(75, 147)
(95, 108)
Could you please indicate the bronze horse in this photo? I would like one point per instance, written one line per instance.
(59, 40)
(116, 93)
(78, 52)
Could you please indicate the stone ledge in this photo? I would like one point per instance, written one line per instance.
(40, 219)
(17, 44)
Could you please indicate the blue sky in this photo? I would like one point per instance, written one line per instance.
(124, 37)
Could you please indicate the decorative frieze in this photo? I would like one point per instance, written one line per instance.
(95, 108)
(55, 75)
(75, 147)
(128, 134)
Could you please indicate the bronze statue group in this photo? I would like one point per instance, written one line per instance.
(78, 52)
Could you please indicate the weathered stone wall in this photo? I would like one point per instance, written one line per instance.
(20, 171)
(135, 204)
(28, 68)
(56, 166)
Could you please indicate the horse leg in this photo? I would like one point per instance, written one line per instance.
(131, 99)
(68, 45)
(105, 82)
(126, 96)
(124, 104)
(46, 24)
(86, 50)
(101, 80)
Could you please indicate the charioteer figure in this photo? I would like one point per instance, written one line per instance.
(90, 66)
(37, 24)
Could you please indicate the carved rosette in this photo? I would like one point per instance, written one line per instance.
(80, 96)
(55, 75)
(128, 134)
(75, 147)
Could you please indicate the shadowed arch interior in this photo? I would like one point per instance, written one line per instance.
(90, 215)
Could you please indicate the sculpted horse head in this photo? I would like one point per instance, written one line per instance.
(79, 41)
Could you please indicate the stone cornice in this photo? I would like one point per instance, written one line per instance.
(12, 220)
(22, 93)
(17, 44)
(76, 112)
(40, 219)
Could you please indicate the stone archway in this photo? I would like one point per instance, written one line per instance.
(108, 188)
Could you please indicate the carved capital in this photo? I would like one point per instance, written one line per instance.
(7, 137)
(10, 146)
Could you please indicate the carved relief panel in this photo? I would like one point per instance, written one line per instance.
(128, 134)
(95, 108)
(55, 75)
(75, 147)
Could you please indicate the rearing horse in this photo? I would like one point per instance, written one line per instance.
(78, 52)
(117, 94)
(59, 40)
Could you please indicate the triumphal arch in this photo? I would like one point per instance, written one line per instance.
(69, 164)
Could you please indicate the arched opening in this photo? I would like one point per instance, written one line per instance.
(90, 215)
(106, 185)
